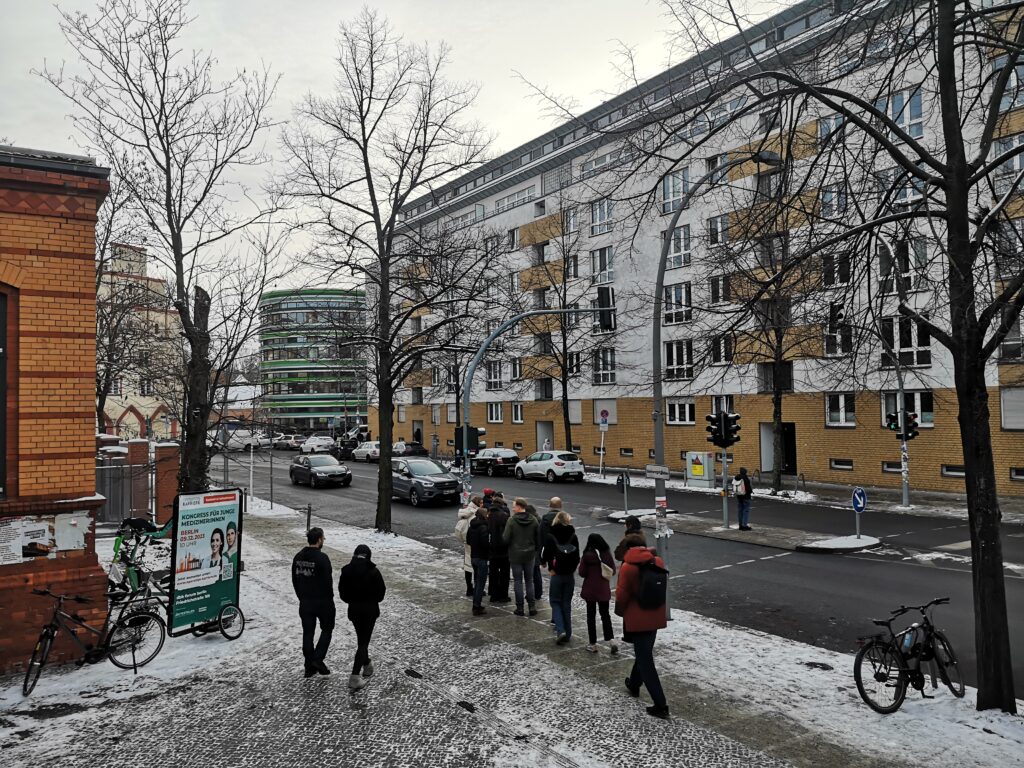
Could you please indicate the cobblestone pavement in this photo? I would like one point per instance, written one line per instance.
(450, 690)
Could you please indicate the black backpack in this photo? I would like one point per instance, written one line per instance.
(653, 586)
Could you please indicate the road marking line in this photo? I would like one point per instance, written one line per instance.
(744, 562)
(720, 567)
(957, 546)
(704, 571)
(599, 525)
(676, 577)
(767, 557)
(784, 554)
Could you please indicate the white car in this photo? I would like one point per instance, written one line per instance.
(317, 444)
(369, 451)
(551, 465)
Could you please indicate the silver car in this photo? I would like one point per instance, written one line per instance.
(422, 480)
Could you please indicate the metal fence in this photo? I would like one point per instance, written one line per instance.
(128, 490)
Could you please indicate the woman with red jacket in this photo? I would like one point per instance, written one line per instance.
(640, 627)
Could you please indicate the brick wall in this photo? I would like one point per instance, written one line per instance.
(47, 255)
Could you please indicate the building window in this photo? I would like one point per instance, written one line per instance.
(517, 413)
(572, 266)
(117, 387)
(908, 340)
(833, 200)
(772, 251)
(543, 389)
(846, 465)
(680, 411)
(539, 209)
(922, 403)
(718, 229)
(679, 248)
(716, 165)
(596, 317)
(569, 221)
(838, 333)
(435, 414)
(512, 239)
(905, 109)
(766, 373)
(517, 446)
(835, 269)
(954, 470)
(146, 387)
(494, 381)
(602, 265)
(721, 403)
(492, 245)
(516, 372)
(494, 413)
(513, 283)
(626, 453)
(840, 409)
(674, 187)
(574, 363)
(401, 413)
(768, 121)
(598, 450)
(1017, 473)
(604, 366)
(1011, 347)
(769, 185)
(542, 344)
(678, 303)
(679, 359)
(452, 413)
(516, 198)
(601, 216)
(1008, 243)
(1013, 96)
(1012, 402)
(720, 293)
(909, 267)
(829, 125)
(417, 395)
(721, 349)
(892, 467)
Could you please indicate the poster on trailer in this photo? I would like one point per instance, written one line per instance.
(206, 555)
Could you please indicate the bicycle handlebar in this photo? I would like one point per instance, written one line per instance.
(75, 598)
(922, 608)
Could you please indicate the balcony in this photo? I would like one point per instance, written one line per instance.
(541, 276)
(541, 230)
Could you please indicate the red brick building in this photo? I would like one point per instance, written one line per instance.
(48, 205)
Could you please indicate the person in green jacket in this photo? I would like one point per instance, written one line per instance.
(521, 537)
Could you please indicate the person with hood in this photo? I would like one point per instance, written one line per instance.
(466, 515)
(478, 540)
(640, 626)
(497, 586)
(362, 587)
(743, 489)
(562, 555)
(596, 590)
(311, 580)
(520, 535)
(633, 528)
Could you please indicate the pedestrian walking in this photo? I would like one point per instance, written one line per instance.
(499, 568)
(597, 568)
(362, 587)
(521, 537)
(466, 515)
(743, 489)
(479, 540)
(640, 598)
(313, 585)
(562, 554)
(633, 528)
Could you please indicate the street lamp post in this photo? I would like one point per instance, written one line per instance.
(660, 499)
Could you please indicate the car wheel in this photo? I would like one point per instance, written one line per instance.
(414, 498)
(313, 483)
(346, 483)
(490, 470)
(519, 474)
(551, 476)
(294, 479)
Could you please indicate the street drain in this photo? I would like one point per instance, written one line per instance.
(414, 673)
(466, 706)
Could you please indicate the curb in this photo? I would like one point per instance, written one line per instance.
(811, 548)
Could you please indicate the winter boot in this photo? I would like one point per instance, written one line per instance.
(355, 682)
(368, 669)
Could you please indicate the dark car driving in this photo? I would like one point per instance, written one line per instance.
(318, 470)
(411, 449)
(495, 461)
(423, 480)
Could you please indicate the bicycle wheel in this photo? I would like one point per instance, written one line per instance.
(35, 664)
(879, 680)
(231, 621)
(949, 667)
(135, 640)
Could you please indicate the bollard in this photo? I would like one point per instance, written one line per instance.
(309, 517)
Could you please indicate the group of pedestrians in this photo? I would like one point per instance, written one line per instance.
(499, 542)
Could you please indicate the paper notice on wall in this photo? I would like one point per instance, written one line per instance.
(70, 530)
(38, 537)
(31, 537)
(10, 540)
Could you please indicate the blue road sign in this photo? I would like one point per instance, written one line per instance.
(860, 500)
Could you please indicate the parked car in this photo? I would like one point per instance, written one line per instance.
(317, 444)
(343, 449)
(319, 470)
(369, 451)
(236, 440)
(551, 465)
(422, 480)
(494, 461)
(411, 449)
(289, 442)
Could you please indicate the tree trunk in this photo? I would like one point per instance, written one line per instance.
(193, 476)
(385, 429)
(566, 422)
(777, 446)
(991, 628)
(101, 407)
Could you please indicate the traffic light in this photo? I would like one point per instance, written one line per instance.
(475, 444)
(892, 422)
(606, 305)
(714, 429)
(732, 429)
(909, 425)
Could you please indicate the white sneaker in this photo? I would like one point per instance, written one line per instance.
(592, 648)
(355, 682)
(368, 669)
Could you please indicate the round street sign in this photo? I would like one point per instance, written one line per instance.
(860, 500)
(604, 414)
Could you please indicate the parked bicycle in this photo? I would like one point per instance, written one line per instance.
(885, 666)
(130, 641)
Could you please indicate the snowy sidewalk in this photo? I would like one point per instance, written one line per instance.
(457, 690)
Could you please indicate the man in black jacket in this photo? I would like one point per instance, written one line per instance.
(311, 579)
(362, 587)
(479, 540)
(497, 585)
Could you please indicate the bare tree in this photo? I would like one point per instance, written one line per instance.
(181, 143)
(394, 129)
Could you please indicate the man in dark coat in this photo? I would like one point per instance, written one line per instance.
(312, 582)
(499, 566)
(362, 587)
(479, 540)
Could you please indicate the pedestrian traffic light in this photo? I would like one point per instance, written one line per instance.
(909, 425)
(714, 429)
(606, 305)
(732, 429)
(892, 422)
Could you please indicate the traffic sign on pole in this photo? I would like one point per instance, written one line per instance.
(860, 500)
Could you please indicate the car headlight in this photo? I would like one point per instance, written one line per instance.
(320, 474)
(426, 483)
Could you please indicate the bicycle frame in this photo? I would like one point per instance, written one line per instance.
(923, 650)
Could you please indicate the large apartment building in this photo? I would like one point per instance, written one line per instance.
(587, 206)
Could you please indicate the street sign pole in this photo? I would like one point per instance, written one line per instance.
(859, 501)
(601, 457)
(625, 491)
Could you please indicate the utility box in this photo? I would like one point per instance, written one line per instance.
(700, 469)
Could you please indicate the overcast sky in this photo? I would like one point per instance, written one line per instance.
(566, 45)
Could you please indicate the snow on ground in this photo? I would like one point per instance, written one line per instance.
(801, 497)
(263, 508)
(841, 543)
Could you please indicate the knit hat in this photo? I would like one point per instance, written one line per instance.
(362, 551)
(488, 491)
